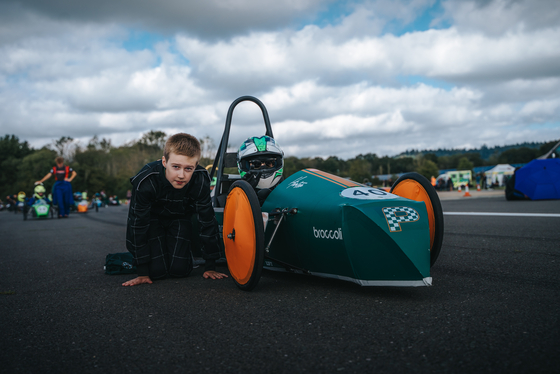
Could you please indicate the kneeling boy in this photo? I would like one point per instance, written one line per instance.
(165, 194)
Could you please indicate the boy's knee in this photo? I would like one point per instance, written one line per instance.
(174, 272)
(181, 269)
(183, 274)
(157, 267)
(156, 274)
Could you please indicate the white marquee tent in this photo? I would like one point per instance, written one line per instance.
(497, 174)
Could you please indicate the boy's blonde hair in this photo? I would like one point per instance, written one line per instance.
(182, 144)
(59, 160)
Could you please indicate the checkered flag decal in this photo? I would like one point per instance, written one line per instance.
(396, 215)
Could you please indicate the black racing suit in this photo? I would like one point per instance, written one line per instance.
(158, 232)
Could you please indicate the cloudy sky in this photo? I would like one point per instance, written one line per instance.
(338, 78)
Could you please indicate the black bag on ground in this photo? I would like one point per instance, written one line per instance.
(119, 263)
(511, 192)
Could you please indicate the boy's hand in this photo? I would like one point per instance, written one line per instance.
(138, 280)
(213, 275)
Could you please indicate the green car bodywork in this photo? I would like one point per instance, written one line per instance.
(40, 209)
(347, 231)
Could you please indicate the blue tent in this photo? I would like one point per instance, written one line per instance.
(539, 179)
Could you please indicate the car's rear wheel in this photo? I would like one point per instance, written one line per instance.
(416, 187)
(243, 233)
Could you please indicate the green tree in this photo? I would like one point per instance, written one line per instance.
(34, 167)
(10, 146)
(431, 157)
(475, 158)
(401, 165)
(332, 165)
(91, 167)
(154, 139)
(12, 151)
(452, 162)
(518, 155)
(360, 170)
(9, 176)
(464, 164)
(292, 165)
(428, 168)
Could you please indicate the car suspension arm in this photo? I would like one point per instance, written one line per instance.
(282, 213)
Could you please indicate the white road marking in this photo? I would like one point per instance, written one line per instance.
(547, 215)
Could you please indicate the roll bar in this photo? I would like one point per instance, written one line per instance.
(219, 161)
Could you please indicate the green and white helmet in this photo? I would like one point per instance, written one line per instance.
(39, 191)
(261, 161)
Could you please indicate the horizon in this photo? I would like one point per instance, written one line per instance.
(405, 153)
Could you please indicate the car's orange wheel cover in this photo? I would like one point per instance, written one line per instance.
(240, 251)
(412, 190)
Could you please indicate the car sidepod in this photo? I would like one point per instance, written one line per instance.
(41, 210)
(348, 231)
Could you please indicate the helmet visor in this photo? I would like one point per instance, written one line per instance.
(262, 163)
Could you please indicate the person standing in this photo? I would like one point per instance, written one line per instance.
(62, 189)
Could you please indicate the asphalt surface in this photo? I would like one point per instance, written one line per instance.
(493, 307)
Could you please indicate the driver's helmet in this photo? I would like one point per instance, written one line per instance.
(21, 196)
(260, 161)
(39, 192)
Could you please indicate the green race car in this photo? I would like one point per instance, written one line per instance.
(320, 224)
(39, 205)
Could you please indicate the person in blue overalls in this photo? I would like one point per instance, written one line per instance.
(62, 189)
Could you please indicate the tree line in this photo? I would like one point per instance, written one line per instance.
(485, 152)
(102, 166)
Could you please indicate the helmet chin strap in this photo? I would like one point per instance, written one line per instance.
(253, 179)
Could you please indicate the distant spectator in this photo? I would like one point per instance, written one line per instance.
(449, 184)
(11, 202)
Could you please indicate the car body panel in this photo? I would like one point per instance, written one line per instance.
(334, 235)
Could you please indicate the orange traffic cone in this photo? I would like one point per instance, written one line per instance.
(467, 194)
(478, 187)
(459, 188)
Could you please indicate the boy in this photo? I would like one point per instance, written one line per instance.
(39, 193)
(165, 194)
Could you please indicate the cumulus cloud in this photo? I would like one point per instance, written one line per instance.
(206, 19)
(310, 53)
(495, 17)
(335, 78)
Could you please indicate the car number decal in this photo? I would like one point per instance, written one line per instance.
(367, 193)
(400, 214)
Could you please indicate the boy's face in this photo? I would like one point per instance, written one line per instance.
(179, 169)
